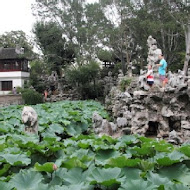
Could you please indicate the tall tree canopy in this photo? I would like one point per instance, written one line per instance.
(74, 30)
(180, 12)
(81, 25)
(13, 38)
(57, 51)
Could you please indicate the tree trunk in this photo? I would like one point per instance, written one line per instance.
(122, 44)
(187, 41)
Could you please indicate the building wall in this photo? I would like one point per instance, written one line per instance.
(14, 74)
(16, 77)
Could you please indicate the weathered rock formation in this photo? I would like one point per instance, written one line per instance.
(30, 120)
(152, 113)
(153, 51)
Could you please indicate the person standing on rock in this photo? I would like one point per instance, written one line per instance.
(162, 70)
(150, 76)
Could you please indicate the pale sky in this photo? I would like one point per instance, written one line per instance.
(17, 15)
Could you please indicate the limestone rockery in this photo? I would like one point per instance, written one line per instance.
(152, 113)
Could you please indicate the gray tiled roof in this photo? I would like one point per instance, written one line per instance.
(9, 53)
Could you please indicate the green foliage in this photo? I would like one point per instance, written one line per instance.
(31, 97)
(71, 32)
(47, 167)
(26, 180)
(84, 78)
(57, 51)
(13, 38)
(37, 70)
(125, 82)
(105, 56)
(116, 69)
(84, 162)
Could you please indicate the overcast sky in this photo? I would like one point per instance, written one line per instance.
(17, 15)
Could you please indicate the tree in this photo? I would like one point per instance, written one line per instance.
(36, 74)
(85, 78)
(78, 24)
(57, 51)
(13, 38)
(121, 40)
(180, 11)
(152, 18)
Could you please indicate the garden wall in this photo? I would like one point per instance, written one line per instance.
(6, 100)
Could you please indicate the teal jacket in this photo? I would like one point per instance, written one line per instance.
(162, 68)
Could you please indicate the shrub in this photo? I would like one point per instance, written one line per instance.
(85, 79)
(125, 82)
(31, 97)
(19, 89)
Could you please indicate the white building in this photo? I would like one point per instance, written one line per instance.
(14, 70)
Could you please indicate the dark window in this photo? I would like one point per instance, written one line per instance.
(7, 85)
(10, 66)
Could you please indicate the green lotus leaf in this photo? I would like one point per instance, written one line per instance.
(131, 173)
(14, 122)
(56, 128)
(1, 117)
(148, 151)
(103, 155)
(162, 146)
(83, 144)
(138, 184)
(157, 180)
(51, 135)
(108, 139)
(185, 150)
(65, 122)
(4, 128)
(3, 139)
(99, 144)
(129, 139)
(146, 165)
(178, 172)
(166, 161)
(86, 138)
(146, 140)
(4, 169)
(24, 139)
(73, 129)
(4, 186)
(60, 173)
(43, 121)
(26, 179)
(58, 187)
(176, 187)
(47, 167)
(70, 150)
(81, 186)
(106, 177)
(122, 161)
(12, 150)
(74, 176)
(73, 163)
(15, 159)
(175, 155)
(42, 186)
(83, 153)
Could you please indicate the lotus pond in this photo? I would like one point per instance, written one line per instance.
(83, 160)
